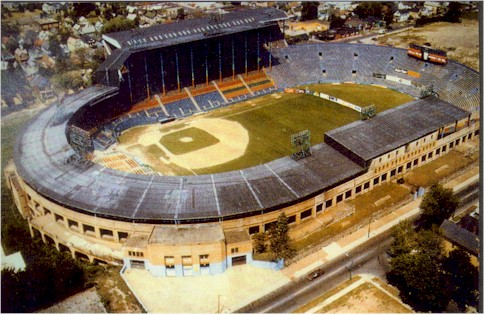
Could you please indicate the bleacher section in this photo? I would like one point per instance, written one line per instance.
(339, 62)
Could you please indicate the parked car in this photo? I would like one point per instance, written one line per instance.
(315, 274)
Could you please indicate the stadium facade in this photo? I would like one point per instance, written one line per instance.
(200, 225)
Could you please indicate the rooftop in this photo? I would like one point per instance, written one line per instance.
(396, 127)
(183, 31)
(187, 234)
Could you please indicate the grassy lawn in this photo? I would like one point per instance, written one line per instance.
(328, 294)
(364, 207)
(446, 165)
(196, 139)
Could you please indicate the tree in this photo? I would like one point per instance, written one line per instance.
(420, 282)
(463, 278)
(83, 8)
(416, 267)
(438, 204)
(369, 8)
(309, 10)
(180, 14)
(454, 12)
(259, 245)
(336, 21)
(118, 24)
(280, 242)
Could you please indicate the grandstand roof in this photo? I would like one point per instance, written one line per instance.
(396, 127)
(183, 31)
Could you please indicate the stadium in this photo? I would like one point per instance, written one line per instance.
(188, 202)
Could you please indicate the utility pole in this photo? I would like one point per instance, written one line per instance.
(351, 266)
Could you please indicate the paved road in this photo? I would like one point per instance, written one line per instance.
(367, 258)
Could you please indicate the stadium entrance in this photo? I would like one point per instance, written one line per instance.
(239, 260)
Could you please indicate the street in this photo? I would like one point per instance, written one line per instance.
(367, 258)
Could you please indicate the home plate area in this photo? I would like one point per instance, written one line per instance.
(195, 144)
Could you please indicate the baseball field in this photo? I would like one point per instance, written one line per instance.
(248, 133)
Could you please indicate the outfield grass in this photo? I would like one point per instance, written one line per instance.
(364, 95)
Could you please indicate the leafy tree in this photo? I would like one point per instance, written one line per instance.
(31, 6)
(259, 245)
(280, 242)
(438, 204)
(309, 10)
(454, 12)
(336, 21)
(180, 14)
(463, 278)
(388, 14)
(10, 29)
(417, 269)
(83, 8)
(55, 48)
(118, 24)
(420, 282)
(11, 45)
(368, 8)
(407, 240)
(67, 80)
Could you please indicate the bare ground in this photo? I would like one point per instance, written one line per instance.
(460, 40)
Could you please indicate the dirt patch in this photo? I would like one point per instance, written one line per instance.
(461, 41)
(84, 302)
(115, 294)
(367, 298)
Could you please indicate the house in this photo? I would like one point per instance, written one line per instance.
(425, 11)
(405, 5)
(53, 7)
(21, 54)
(74, 44)
(461, 237)
(48, 24)
(99, 26)
(42, 88)
(7, 59)
(433, 6)
(150, 17)
(355, 23)
(88, 29)
(401, 15)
